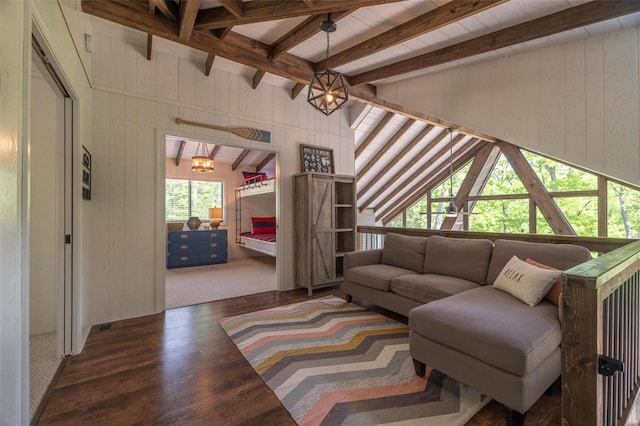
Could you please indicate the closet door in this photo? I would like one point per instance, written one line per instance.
(323, 259)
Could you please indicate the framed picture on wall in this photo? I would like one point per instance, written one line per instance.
(316, 159)
(86, 173)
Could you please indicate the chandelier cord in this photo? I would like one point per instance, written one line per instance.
(327, 50)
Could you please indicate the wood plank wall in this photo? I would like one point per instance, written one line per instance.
(132, 98)
(577, 101)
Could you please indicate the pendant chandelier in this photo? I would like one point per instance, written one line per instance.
(202, 162)
(327, 89)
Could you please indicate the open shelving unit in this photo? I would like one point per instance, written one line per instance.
(325, 227)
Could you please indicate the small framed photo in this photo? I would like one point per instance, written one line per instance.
(316, 159)
(86, 173)
(86, 158)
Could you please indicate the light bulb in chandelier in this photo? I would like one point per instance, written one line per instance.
(328, 98)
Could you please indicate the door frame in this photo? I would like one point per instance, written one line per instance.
(161, 172)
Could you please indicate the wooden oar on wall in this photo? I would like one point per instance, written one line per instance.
(243, 132)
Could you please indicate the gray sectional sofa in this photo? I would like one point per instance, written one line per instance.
(460, 324)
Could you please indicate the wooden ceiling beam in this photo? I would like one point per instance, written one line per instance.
(430, 21)
(235, 47)
(420, 189)
(431, 161)
(375, 132)
(305, 30)
(257, 78)
(309, 3)
(209, 63)
(221, 33)
(241, 157)
(214, 152)
(168, 8)
(549, 209)
(412, 162)
(573, 17)
(188, 13)
(149, 46)
(236, 7)
(396, 159)
(386, 147)
(478, 173)
(180, 152)
(295, 90)
(265, 161)
(269, 10)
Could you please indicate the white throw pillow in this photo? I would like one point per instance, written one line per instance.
(525, 281)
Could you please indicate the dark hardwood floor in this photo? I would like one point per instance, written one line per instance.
(179, 367)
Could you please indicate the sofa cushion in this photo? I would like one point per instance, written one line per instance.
(404, 251)
(428, 287)
(375, 276)
(492, 326)
(560, 256)
(527, 282)
(458, 257)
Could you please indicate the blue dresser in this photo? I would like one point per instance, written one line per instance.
(193, 248)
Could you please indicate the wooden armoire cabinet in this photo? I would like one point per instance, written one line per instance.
(325, 227)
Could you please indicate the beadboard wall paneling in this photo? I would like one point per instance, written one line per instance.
(134, 98)
(576, 101)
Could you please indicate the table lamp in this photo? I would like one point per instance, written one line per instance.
(215, 214)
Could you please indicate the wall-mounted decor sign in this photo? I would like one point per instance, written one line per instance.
(86, 174)
(316, 159)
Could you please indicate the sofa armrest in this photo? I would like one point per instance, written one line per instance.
(361, 258)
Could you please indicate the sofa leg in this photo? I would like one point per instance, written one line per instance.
(420, 367)
(514, 418)
(349, 298)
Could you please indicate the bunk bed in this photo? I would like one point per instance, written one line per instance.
(264, 240)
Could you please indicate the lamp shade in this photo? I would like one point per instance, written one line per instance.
(201, 164)
(215, 213)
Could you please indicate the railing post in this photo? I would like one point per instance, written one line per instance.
(581, 344)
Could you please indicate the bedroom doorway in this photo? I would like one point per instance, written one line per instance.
(236, 258)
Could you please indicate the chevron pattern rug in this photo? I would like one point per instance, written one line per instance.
(334, 363)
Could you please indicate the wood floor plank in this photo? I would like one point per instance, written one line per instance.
(180, 367)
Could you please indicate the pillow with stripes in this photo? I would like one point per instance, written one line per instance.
(264, 225)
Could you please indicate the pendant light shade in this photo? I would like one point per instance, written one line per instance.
(328, 90)
(202, 162)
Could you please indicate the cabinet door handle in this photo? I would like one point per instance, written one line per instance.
(184, 246)
(184, 236)
(184, 258)
(213, 256)
(213, 245)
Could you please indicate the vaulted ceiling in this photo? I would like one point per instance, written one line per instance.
(399, 152)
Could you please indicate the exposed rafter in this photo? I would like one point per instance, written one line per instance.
(432, 160)
(295, 90)
(149, 46)
(549, 209)
(169, 8)
(257, 78)
(375, 132)
(420, 188)
(266, 160)
(235, 47)
(188, 13)
(414, 160)
(478, 173)
(268, 10)
(180, 151)
(238, 161)
(430, 21)
(386, 147)
(305, 30)
(214, 152)
(574, 17)
(396, 159)
(209, 63)
(236, 7)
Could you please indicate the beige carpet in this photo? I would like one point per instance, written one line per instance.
(200, 284)
(43, 364)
